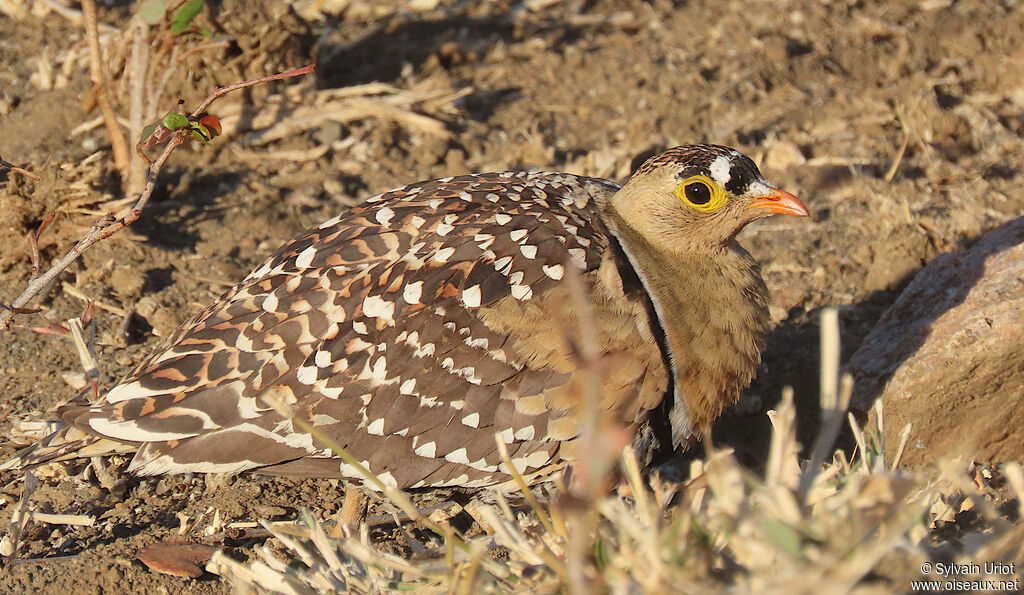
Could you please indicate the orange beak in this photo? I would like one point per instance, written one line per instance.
(781, 202)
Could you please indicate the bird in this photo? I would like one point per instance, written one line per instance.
(417, 330)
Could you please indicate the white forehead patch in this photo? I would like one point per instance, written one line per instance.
(759, 188)
(721, 170)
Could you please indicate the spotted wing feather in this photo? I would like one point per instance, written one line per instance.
(408, 330)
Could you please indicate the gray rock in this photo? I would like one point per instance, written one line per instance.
(949, 355)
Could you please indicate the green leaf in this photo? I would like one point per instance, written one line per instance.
(152, 11)
(200, 133)
(148, 131)
(174, 120)
(185, 15)
(206, 32)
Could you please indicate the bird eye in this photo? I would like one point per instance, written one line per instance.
(701, 193)
(698, 193)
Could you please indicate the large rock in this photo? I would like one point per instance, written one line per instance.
(949, 355)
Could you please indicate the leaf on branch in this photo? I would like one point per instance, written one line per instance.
(154, 134)
(212, 124)
(174, 121)
(185, 14)
(205, 129)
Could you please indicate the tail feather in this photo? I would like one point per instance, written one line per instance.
(64, 444)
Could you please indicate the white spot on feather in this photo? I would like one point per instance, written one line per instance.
(471, 296)
(128, 430)
(458, 456)
(478, 342)
(306, 375)
(444, 229)
(385, 215)
(444, 254)
(408, 387)
(413, 292)
(376, 307)
(518, 234)
(525, 433)
(529, 251)
(376, 428)
(472, 420)
(556, 271)
(305, 258)
(332, 221)
(522, 292)
(502, 218)
(484, 240)
(428, 450)
(270, 303)
(132, 390)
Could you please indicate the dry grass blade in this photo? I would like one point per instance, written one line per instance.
(835, 397)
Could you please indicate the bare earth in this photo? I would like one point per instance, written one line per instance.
(822, 94)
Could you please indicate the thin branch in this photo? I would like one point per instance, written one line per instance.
(108, 225)
(17, 169)
(266, 79)
(138, 66)
(98, 74)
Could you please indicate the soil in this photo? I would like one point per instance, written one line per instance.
(899, 124)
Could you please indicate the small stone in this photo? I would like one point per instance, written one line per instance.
(75, 380)
(161, 319)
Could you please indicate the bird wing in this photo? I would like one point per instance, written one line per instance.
(409, 331)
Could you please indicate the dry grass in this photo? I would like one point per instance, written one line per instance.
(839, 527)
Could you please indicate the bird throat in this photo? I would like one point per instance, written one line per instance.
(712, 308)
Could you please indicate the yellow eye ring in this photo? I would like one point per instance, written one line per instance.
(702, 193)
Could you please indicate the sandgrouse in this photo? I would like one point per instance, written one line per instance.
(412, 329)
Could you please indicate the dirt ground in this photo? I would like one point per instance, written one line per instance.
(899, 124)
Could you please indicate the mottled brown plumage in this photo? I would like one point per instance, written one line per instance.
(413, 328)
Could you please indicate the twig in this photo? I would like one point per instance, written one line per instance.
(898, 159)
(17, 169)
(98, 74)
(33, 243)
(81, 520)
(266, 79)
(22, 512)
(138, 65)
(77, 293)
(108, 224)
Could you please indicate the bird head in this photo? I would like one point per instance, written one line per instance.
(699, 195)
